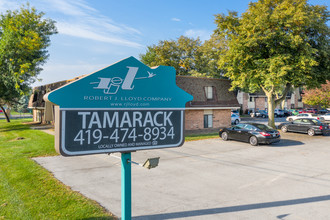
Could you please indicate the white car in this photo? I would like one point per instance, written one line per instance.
(302, 115)
(325, 117)
(235, 119)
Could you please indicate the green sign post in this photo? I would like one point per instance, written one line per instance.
(124, 107)
(126, 186)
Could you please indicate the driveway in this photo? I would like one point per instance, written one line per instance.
(212, 179)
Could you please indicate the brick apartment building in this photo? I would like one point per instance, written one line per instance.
(210, 108)
(258, 101)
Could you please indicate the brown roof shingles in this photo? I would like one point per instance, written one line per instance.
(195, 86)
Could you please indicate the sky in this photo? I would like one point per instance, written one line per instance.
(93, 34)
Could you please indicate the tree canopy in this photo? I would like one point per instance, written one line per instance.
(318, 96)
(24, 37)
(187, 55)
(274, 45)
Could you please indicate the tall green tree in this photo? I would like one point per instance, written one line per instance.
(274, 45)
(187, 55)
(24, 37)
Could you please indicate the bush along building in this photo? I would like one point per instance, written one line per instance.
(210, 109)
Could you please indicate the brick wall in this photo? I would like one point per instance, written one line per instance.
(194, 119)
(221, 118)
(260, 103)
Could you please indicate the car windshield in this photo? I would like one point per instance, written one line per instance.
(239, 126)
(313, 115)
(263, 127)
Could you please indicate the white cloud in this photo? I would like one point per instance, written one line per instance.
(85, 31)
(8, 5)
(77, 18)
(202, 34)
(176, 19)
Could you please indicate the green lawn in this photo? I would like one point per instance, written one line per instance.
(28, 191)
(195, 137)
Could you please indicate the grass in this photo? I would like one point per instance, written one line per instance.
(27, 190)
(196, 137)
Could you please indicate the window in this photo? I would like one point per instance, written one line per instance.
(209, 92)
(306, 121)
(298, 121)
(251, 99)
(250, 127)
(208, 121)
(239, 127)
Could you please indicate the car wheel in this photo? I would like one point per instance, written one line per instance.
(311, 132)
(224, 136)
(253, 141)
(264, 116)
(290, 119)
(284, 128)
(236, 121)
(275, 115)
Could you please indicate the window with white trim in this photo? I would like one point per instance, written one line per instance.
(208, 118)
(208, 121)
(209, 92)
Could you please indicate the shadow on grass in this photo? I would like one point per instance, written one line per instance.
(14, 128)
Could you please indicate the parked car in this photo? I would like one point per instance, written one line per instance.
(253, 133)
(235, 119)
(310, 126)
(323, 111)
(325, 117)
(235, 112)
(278, 113)
(261, 113)
(294, 111)
(287, 113)
(302, 115)
(311, 110)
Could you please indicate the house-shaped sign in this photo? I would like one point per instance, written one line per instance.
(124, 107)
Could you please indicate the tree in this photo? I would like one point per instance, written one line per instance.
(187, 55)
(274, 46)
(22, 104)
(318, 96)
(24, 37)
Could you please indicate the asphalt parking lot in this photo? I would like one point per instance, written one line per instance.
(212, 179)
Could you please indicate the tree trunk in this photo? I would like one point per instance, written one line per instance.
(4, 112)
(271, 109)
(273, 101)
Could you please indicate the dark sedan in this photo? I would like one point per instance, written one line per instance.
(253, 133)
(310, 126)
(261, 113)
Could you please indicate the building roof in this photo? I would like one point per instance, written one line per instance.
(222, 98)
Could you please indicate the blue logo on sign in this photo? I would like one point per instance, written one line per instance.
(125, 84)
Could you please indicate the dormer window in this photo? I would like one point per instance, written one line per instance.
(209, 92)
